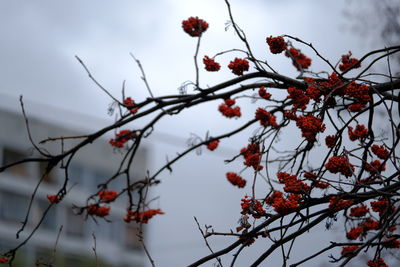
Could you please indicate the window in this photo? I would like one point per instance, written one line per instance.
(75, 224)
(131, 237)
(13, 206)
(102, 229)
(76, 175)
(51, 177)
(11, 156)
(117, 230)
(96, 177)
(50, 221)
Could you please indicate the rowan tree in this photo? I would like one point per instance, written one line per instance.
(344, 166)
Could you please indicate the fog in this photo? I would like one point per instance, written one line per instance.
(38, 49)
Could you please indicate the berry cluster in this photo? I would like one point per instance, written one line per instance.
(210, 64)
(107, 196)
(276, 44)
(265, 118)
(349, 63)
(379, 262)
(235, 179)
(356, 107)
(336, 204)
(310, 126)
(252, 207)
(263, 93)
(348, 251)
(194, 26)
(292, 184)
(142, 217)
(330, 141)
(375, 167)
(283, 205)
(359, 211)
(359, 133)
(252, 156)
(358, 91)
(99, 211)
(228, 110)
(299, 60)
(130, 105)
(380, 151)
(122, 137)
(53, 199)
(340, 164)
(300, 99)
(381, 206)
(238, 66)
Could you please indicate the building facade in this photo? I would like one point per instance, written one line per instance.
(116, 241)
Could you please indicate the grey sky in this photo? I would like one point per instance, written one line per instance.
(41, 38)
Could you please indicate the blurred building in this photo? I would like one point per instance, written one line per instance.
(116, 243)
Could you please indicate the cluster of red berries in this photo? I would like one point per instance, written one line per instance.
(349, 63)
(330, 141)
(299, 60)
(340, 164)
(194, 26)
(263, 93)
(252, 207)
(370, 224)
(212, 145)
(359, 133)
(379, 262)
(276, 44)
(235, 179)
(53, 199)
(210, 64)
(238, 66)
(375, 167)
(380, 151)
(348, 251)
(336, 203)
(130, 105)
(292, 184)
(3, 260)
(142, 217)
(107, 196)
(313, 92)
(356, 107)
(300, 99)
(283, 205)
(315, 89)
(362, 229)
(252, 156)
(99, 211)
(310, 126)
(122, 137)
(265, 118)
(381, 206)
(228, 110)
(358, 91)
(359, 211)
(354, 233)
(290, 114)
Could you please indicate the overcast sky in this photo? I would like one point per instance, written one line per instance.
(37, 60)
